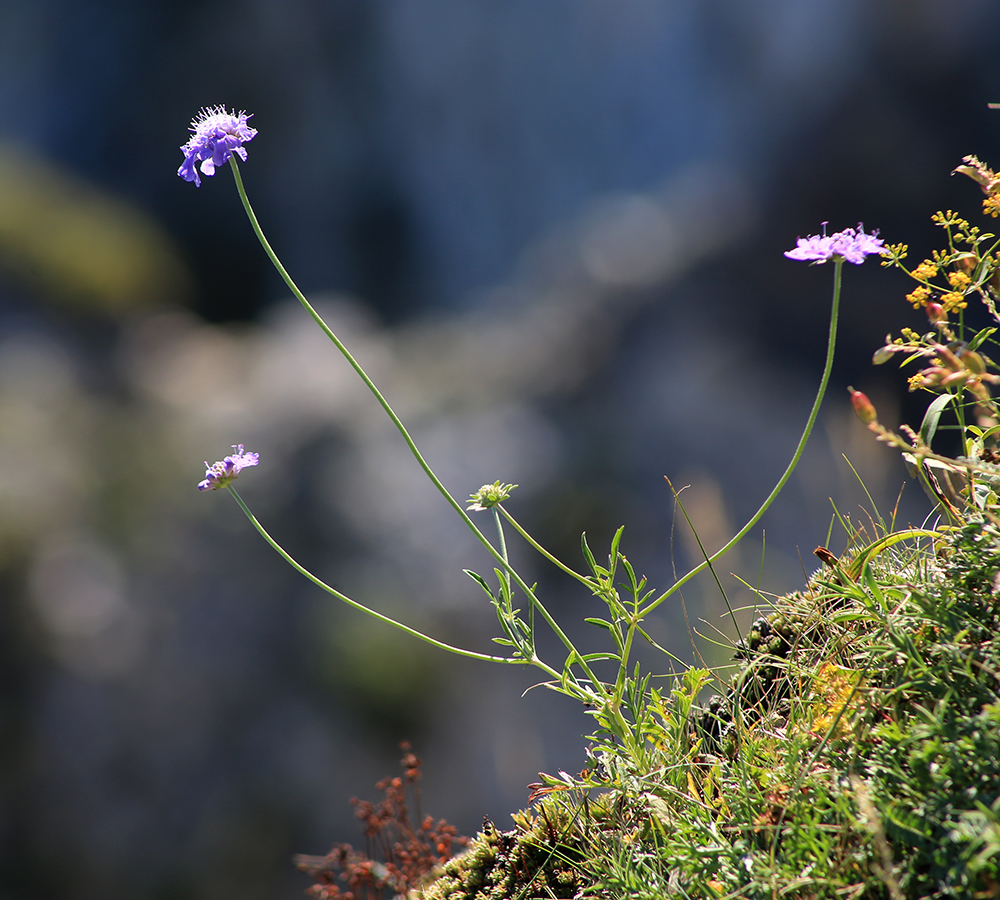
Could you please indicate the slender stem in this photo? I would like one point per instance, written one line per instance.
(506, 594)
(831, 344)
(708, 562)
(390, 412)
(500, 537)
(538, 547)
(362, 374)
(360, 606)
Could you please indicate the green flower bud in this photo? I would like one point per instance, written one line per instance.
(489, 495)
(882, 355)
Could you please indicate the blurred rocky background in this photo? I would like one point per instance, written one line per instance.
(552, 231)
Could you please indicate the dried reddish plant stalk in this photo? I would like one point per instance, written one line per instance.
(399, 855)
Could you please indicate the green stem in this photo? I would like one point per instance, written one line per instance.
(831, 344)
(500, 537)
(542, 551)
(708, 561)
(471, 654)
(362, 374)
(390, 412)
(505, 592)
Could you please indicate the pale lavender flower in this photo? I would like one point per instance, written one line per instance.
(222, 473)
(216, 135)
(851, 244)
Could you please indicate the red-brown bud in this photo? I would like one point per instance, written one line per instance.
(863, 407)
(936, 313)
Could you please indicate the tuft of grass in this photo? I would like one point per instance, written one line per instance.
(852, 752)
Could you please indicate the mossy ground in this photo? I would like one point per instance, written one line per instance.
(854, 752)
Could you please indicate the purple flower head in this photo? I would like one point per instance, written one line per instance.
(216, 135)
(222, 473)
(851, 244)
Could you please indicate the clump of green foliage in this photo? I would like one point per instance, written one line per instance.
(855, 752)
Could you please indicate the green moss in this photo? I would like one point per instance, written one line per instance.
(545, 855)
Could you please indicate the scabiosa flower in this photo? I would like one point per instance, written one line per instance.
(222, 473)
(216, 135)
(851, 244)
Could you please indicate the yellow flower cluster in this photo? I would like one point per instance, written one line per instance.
(893, 253)
(836, 698)
(959, 280)
(919, 296)
(953, 300)
(991, 205)
(949, 219)
(925, 293)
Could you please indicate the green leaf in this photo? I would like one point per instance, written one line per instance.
(633, 583)
(928, 427)
(567, 674)
(856, 567)
(872, 585)
(613, 558)
(476, 577)
(979, 338)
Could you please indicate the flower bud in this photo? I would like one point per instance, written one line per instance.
(949, 359)
(936, 313)
(489, 495)
(973, 361)
(929, 377)
(979, 391)
(955, 378)
(863, 407)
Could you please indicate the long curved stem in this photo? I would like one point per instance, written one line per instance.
(390, 412)
(441, 645)
(831, 344)
(362, 374)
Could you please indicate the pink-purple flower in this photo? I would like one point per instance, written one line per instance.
(223, 473)
(851, 244)
(216, 135)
